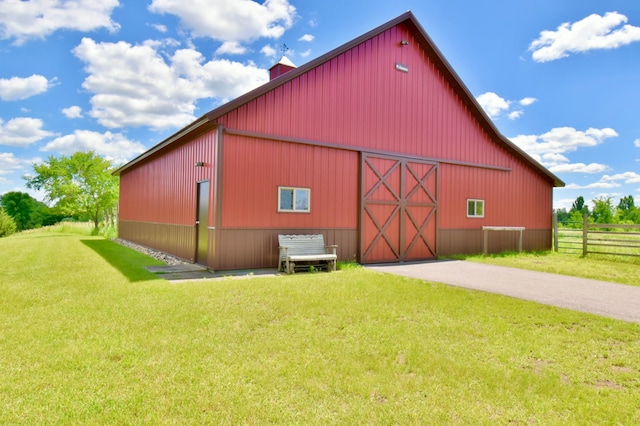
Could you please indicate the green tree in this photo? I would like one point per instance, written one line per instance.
(603, 210)
(627, 210)
(22, 208)
(563, 215)
(81, 184)
(627, 203)
(7, 224)
(579, 206)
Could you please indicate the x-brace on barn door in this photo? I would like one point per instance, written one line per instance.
(398, 209)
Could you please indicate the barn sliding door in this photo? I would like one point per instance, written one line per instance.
(398, 209)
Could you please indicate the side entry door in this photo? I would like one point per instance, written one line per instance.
(202, 223)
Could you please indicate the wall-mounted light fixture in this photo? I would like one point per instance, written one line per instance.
(404, 43)
(200, 164)
(402, 67)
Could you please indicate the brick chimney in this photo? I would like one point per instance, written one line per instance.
(283, 66)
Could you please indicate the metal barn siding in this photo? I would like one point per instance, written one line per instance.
(360, 99)
(253, 169)
(519, 197)
(158, 197)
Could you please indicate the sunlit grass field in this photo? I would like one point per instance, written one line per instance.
(88, 336)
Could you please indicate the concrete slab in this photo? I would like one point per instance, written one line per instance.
(185, 267)
(597, 297)
(188, 272)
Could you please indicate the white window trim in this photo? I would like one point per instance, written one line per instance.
(475, 203)
(294, 189)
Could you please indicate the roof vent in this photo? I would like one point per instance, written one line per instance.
(283, 66)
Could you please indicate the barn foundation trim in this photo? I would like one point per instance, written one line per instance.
(277, 138)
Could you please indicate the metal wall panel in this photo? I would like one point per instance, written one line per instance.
(516, 198)
(178, 240)
(254, 169)
(163, 188)
(258, 248)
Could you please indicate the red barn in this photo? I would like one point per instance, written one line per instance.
(378, 145)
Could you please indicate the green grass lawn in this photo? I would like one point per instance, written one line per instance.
(617, 269)
(88, 336)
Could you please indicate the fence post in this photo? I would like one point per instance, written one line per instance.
(555, 232)
(585, 233)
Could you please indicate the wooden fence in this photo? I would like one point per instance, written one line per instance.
(596, 238)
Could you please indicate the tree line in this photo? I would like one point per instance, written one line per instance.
(603, 211)
(78, 187)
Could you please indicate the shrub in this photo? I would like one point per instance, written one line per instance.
(7, 224)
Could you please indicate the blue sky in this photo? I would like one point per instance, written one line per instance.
(559, 78)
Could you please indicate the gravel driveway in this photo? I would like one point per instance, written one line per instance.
(597, 297)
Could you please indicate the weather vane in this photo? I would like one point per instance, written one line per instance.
(284, 49)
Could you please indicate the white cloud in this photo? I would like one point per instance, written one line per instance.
(160, 27)
(610, 182)
(268, 51)
(492, 104)
(591, 168)
(17, 88)
(230, 20)
(592, 32)
(598, 185)
(133, 85)
(564, 203)
(231, 48)
(22, 131)
(554, 158)
(9, 163)
(637, 143)
(527, 101)
(113, 146)
(72, 112)
(23, 20)
(562, 139)
(515, 114)
(307, 37)
(627, 177)
(306, 53)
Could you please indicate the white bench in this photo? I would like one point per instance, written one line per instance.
(305, 249)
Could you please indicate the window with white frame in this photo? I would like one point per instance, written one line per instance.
(475, 208)
(297, 200)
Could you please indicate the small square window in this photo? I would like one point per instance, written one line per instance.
(475, 208)
(294, 199)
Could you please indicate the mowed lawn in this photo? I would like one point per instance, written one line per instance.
(87, 336)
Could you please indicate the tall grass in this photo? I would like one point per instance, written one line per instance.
(79, 228)
(88, 336)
